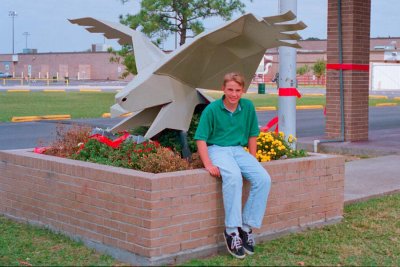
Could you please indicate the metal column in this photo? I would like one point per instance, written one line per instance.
(287, 78)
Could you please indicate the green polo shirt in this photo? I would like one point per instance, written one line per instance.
(219, 126)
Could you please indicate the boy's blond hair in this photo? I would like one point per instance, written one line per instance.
(234, 76)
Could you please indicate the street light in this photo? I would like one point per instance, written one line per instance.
(12, 14)
(26, 39)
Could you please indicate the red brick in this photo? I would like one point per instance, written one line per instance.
(170, 249)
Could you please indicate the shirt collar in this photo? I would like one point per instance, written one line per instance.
(222, 105)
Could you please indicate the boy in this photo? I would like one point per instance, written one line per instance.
(226, 125)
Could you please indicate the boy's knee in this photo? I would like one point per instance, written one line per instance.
(264, 178)
(234, 180)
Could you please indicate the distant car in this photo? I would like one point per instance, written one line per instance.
(5, 75)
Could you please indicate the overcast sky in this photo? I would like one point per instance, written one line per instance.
(50, 31)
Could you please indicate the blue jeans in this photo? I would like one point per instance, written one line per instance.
(233, 162)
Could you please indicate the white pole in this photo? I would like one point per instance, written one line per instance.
(287, 79)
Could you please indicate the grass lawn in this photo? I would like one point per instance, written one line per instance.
(25, 245)
(368, 235)
(93, 105)
(77, 104)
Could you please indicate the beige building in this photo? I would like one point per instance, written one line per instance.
(75, 65)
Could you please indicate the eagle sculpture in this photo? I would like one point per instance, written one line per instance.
(168, 87)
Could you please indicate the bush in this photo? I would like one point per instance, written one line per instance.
(75, 143)
(163, 160)
(319, 68)
(68, 141)
(303, 69)
(126, 155)
(273, 146)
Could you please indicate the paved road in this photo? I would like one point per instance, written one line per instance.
(309, 123)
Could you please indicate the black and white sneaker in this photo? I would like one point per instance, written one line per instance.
(248, 241)
(234, 245)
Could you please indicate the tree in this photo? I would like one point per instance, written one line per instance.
(312, 39)
(303, 69)
(319, 68)
(161, 18)
(126, 58)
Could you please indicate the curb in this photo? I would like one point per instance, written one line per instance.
(378, 97)
(310, 107)
(18, 90)
(90, 90)
(108, 115)
(297, 107)
(53, 90)
(39, 118)
(386, 104)
(265, 108)
(312, 94)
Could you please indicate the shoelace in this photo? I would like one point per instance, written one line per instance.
(236, 242)
(250, 239)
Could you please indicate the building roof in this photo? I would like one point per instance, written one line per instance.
(378, 43)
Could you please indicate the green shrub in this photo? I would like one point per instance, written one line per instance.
(319, 68)
(126, 155)
(303, 69)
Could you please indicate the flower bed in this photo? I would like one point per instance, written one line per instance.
(164, 218)
(134, 152)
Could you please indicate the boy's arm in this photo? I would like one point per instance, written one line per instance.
(253, 145)
(203, 152)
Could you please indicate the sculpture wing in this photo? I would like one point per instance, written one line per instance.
(146, 53)
(110, 30)
(239, 45)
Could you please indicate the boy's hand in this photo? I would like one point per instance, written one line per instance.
(213, 170)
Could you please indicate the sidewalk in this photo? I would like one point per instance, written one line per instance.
(378, 174)
(366, 178)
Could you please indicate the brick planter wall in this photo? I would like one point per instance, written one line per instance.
(150, 219)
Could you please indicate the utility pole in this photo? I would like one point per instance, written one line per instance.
(26, 39)
(176, 30)
(287, 79)
(12, 14)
